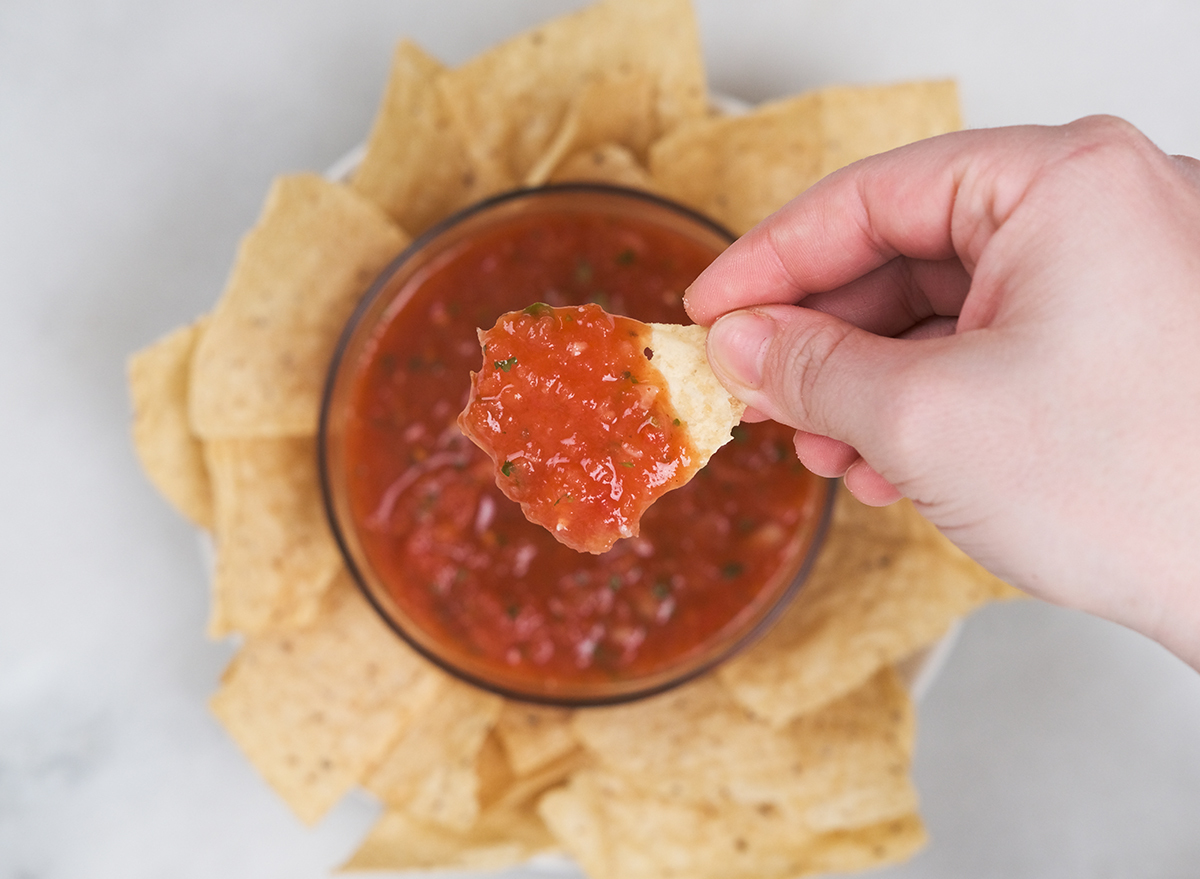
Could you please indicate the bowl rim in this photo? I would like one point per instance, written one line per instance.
(658, 683)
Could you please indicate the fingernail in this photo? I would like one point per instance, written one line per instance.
(737, 345)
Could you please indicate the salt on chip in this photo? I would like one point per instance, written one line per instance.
(608, 163)
(416, 165)
(510, 101)
(430, 771)
(885, 584)
(843, 766)
(171, 455)
(275, 554)
(613, 830)
(314, 710)
(740, 169)
(534, 735)
(259, 369)
(617, 108)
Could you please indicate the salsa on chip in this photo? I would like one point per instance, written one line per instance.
(584, 426)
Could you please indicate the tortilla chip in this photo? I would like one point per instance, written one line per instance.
(276, 556)
(615, 832)
(608, 163)
(170, 453)
(510, 102)
(865, 848)
(259, 369)
(841, 767)
(430, 772)
(885, 584)
(524, 789)
(860, 121)
(416, 166)
(612, 108)
(534, 735)
(740, 169)
(501, 838)
(314, 710)
(699, 399)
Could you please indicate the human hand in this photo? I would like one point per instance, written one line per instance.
(1004, 326)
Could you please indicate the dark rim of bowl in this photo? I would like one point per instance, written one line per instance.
(781, 601)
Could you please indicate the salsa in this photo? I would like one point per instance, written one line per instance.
(577, 421)
(501, 597)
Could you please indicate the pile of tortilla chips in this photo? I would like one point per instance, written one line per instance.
(791, 759)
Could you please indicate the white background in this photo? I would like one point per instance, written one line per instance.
(136, 142)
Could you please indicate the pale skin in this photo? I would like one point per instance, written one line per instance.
(1004, 326)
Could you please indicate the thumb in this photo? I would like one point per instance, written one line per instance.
(809, 370)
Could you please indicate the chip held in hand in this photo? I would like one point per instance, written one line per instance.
(590, 417)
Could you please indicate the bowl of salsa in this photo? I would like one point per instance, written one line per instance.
(450, 563)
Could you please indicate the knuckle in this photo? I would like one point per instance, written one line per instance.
(1109, 139)
(1109, 129)
(802, 362)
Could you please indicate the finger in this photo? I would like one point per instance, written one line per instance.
(822, 455)
(932, 200)
(869, 487)
(809, 370)
(831, 459)
(752, 415)
(898, 295)
(933, 327)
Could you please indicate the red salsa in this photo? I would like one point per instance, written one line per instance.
(577, 421)
(495, 591)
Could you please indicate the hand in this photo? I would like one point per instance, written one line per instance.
(1004, 326)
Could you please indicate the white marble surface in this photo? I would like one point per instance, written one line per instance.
(136, 141)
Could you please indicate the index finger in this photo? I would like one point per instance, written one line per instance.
(932, 200)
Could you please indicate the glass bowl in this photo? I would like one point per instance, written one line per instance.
(450, 563)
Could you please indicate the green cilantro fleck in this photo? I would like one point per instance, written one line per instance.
(676, 422)
(538, 309)
(614, 582)
(729, 570)
(630, 377)
(626, 257)
(660, 590)
(507, 364)
(507, 468)
(625, 463)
